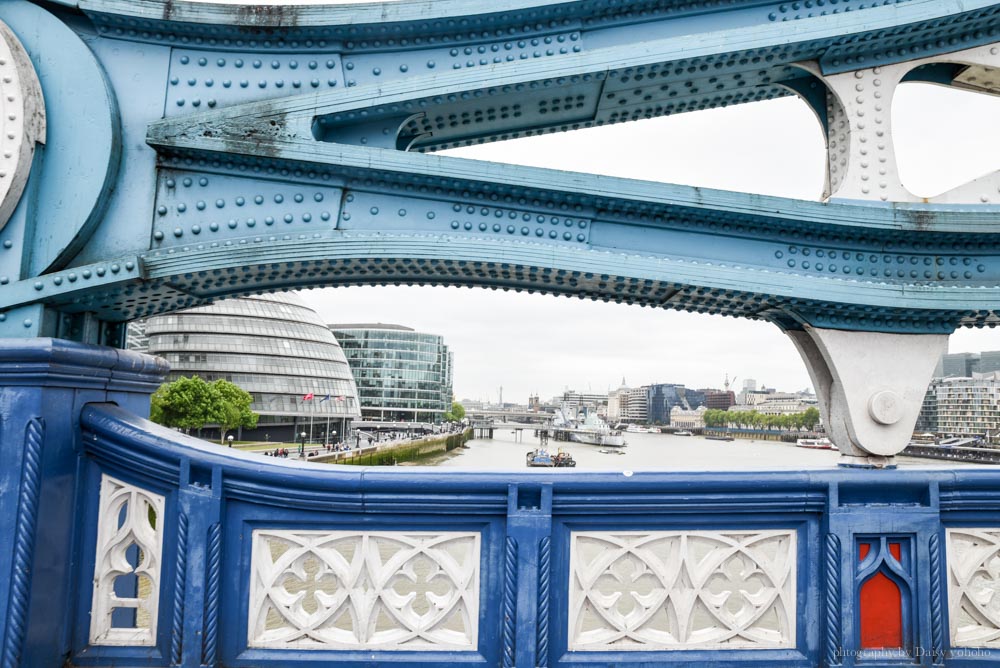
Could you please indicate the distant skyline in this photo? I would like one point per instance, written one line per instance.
(543, 344)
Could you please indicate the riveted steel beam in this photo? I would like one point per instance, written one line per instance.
(267, 149)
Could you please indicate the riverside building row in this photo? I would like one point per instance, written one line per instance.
(299, 376)
(959, 406)
(670, 403)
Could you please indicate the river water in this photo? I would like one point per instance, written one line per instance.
(657, 452)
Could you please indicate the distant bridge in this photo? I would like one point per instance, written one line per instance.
(499, 417)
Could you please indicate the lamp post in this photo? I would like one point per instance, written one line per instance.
(302, 445)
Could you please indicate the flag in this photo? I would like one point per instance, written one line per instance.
(326, 398)
(339, 398)
(308, 397)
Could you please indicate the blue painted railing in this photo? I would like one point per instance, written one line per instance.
(521, 546)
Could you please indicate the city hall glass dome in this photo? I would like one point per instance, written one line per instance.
(275, 348)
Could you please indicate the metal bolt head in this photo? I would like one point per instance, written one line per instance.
(885, 407)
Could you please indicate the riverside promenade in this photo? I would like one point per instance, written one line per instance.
(396, 451)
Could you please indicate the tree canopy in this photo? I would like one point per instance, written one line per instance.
(456, 413)
(234, 409)
(191, 403)
(808, 419)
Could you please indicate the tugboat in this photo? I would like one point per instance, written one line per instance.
(540, 457)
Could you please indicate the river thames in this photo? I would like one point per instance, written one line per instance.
(654, 452)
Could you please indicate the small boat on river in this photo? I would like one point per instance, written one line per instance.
(815, 443)
(563, 459)
(540, 457)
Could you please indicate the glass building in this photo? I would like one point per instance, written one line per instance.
(662, 397)
(275, 348)
(401, 374)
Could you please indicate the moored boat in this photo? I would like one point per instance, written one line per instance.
(683, 432)
(563, 459)
(592, 431)
(539, 457)
(815, 443)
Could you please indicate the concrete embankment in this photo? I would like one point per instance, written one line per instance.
(388, 454)
(761, 434)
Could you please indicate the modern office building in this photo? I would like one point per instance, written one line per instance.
(662, 397)
(927, 420)
(402, 374)
(989, 361)
(576, 401)
(275, 348)
(633, 405)
(969, 406)
(958, 365)
(719, 399)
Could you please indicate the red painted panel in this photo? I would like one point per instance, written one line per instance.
(881, 611)
(894, 548)
(863, 549)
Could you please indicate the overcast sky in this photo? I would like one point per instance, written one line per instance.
(541, 344)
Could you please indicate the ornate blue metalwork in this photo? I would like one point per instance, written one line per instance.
(24, 544)
(598, 500)
(936, 599)
(214, 576)
(544, 592)
(509, 601)
(221, 497)
(834, 602)
(180, 582)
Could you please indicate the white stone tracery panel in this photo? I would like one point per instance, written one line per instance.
(657, 590)
(129, 549)
(974, 587)
(386, 590)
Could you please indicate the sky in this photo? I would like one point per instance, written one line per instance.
(542, 344)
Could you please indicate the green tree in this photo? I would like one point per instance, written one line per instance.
(233, 407)
(186, 403)
(191, 403)
(714, 417)
(810, 418)
(456, 414)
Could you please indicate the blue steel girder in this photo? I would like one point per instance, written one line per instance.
(578, 78)
(258, 185)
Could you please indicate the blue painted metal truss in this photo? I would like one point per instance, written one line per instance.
(241, 150)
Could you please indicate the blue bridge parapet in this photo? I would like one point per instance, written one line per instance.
(137, 546)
